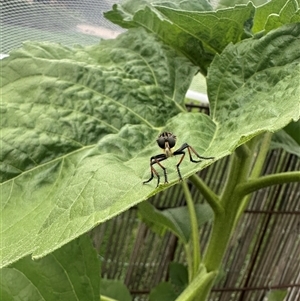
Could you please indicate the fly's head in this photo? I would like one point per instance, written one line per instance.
(166, 141)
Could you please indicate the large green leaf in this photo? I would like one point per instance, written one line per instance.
(57, 103)
(79, 126)
(70, 273)
(198, 34)
(57, 100)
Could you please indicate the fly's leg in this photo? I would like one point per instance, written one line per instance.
(156, 160)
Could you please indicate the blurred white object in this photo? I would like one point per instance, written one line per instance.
(201, 97)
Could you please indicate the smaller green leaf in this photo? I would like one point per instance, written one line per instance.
(277, 295)
(232, 3)
(288, 139)
(164, 291)
(178, 281)
(155, 220)
(289, 13)
(178, 276)
(293, 130)
(115, 289)
(176, 220)
(274, 14)
(70, 273)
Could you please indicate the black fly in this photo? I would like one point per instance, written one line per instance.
(167, 141)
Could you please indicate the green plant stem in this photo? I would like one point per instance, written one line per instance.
(269, 180)
(242, 179)
(201, 281)
(261, 151)
(244, 151)
(195, 241)
(211, 198)
(222, 228)
(262, 154)
(189, 259)
(239, 169)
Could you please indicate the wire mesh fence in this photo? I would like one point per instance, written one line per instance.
(68, 22)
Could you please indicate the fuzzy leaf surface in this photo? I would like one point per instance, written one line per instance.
(70, 120)
(256, 77)
(78, 126)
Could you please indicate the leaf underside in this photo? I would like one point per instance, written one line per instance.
(79, 125)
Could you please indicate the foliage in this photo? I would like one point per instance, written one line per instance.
(78, 125)
(166, 291)
(55, 277)
(114, 290)
(277, 295)
(199, 33)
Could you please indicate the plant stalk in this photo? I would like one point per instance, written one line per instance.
(242, 180)
(269, 180)
(230, 200)
(189, 259)
(195, 240)
(201, 281)
(259, 159)
(223, 226)
(211, 198)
